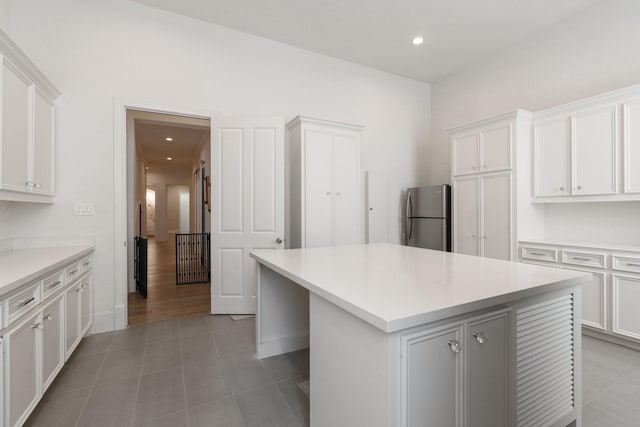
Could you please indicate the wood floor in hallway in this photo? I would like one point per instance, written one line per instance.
(165, 300)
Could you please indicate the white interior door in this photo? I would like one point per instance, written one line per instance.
(247, 191)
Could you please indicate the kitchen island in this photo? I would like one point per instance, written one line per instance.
(403, 336)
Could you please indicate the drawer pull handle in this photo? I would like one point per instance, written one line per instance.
(37, 326)
(481, 337)
(86, 263)
(537, 253)
(72, 272)
(454, 346)
(580, 258)
(54, 284)
(631, 264)
(25, 302)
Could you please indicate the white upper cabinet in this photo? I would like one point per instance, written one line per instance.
(552, 157)
(484, 150)
(27, 147)
(594, 151)
(631, 120)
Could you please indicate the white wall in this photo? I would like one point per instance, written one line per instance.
(162, 178)
(592, 53)
(5, 226)
(94, 51)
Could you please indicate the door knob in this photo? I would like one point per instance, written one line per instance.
(278, 240)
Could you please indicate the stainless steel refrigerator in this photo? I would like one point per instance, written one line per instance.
(428, 220)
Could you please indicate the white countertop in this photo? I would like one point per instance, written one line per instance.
(22, 265)
(395, 287)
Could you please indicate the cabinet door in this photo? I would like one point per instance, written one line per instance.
(631, 138)
(52, 340)
(466, 223)
(495, 151)
(551, 157)
(15, 130)
(346, 184)
(594, 301)
(466, 154)
(22, 382)
(496, 216)
(86, 304)
(626, 316)
(432, 371)
(318, 191)
(72, 316)
(594, 151)
(43, 145)
(487, 368)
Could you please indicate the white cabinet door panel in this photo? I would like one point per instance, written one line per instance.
(496, 149)
(318, 194)
(72, 325)
(632, 147)
(552, 158)
(86, 304)
(496, 216)
(594, 152)
(626, 316)
(52, 340)
(43, 145)
(594, 300)
(346, 183)
(466, 154)
(467, 215)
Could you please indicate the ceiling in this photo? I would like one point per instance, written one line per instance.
(378, 33)
(188, 134)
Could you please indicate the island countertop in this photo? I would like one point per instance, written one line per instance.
(395, 287)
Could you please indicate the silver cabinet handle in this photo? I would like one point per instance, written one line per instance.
(537, 253)
(37, 326)
(630, 264)
(86, 263)
(79, 289)
(481, 337)
(54, 284)
(48, 317)
(579, 187)
(473, 236)
(328, 193)
(72, 272)
(454, 346)
(561, 188)
(339, 193)
(579, 258)
(278, 240)
(473, 168)
(25, 302)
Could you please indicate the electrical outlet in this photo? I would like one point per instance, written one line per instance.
(84, 208)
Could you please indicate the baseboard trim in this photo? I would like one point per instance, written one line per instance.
(611, 338)
(102, 322)
(282, 345)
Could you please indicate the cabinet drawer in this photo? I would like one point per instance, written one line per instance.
(586, 259)
(626, 263)
(22, 302)
(539, 254)
(52, 283)
(87, 263)
(72, 272)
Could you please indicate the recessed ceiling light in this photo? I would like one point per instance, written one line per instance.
(169, 158)
(168, 139)
(146, 167)
(417, 41)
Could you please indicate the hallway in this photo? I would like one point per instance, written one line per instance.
(165, 300)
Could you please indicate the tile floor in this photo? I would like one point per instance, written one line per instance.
(202, 371)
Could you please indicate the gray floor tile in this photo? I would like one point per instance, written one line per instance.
(163, 330)
(204, 378)
(245, 372)
(265, 407)
(220, 413)
(220, 323)
(79, 372)
(177, 419)
(59, 410)
(231, 344)
(110, 404)
(283, 367)
(160, 393)
(132, 336)
(161, 356)
(95, 344)
(121, 364)
(296, 399)
(193, 326)
(198, 342)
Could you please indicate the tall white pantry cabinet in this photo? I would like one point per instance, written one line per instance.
(324, 183)
(490, 164)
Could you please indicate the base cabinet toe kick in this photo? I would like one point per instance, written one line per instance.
(508, 361)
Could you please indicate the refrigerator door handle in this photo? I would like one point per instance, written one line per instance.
(408, 224)
(445, 225)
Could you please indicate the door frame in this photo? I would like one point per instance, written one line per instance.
(121, 290)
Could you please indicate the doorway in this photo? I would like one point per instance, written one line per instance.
(164, 151)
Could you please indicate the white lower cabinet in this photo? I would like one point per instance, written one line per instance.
(626, 295)
(72, 315)
(22, 346)
(86, 304)
(447, 371)
(53, 353)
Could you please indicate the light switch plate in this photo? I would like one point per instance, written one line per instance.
(84, 208)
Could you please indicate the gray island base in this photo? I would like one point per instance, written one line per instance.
(403, 336)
